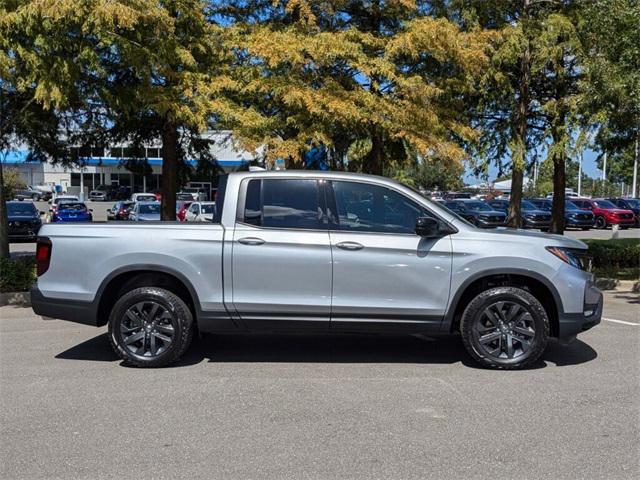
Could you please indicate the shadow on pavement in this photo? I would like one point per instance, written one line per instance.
(329, 349)
(629, 297)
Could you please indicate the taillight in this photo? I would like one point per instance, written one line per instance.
(43, 255)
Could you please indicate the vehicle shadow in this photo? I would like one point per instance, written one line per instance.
(628, 296)
(329, 349)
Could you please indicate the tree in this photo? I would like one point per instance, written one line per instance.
(556, 75)
(11, 182)
(611, 89)
(23, 119)
(504, 108)
(377, 74)
(136, 70)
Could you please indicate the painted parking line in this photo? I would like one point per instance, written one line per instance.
(621, 321)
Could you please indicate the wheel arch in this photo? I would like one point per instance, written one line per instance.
(133, 276)
(538, 285)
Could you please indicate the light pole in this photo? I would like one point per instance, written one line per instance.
(580, 174)
(635, 172)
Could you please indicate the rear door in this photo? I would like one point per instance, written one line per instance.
(281, 258)
(385, 277)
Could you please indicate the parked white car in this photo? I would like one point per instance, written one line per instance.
(143, 197)
(200, 212)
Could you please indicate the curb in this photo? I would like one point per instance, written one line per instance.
(17, 299)
(606, 284)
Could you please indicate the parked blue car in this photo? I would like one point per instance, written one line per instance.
(532, 217)
(574, 216)
(72, 212)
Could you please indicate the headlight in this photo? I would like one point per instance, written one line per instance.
(573, 256)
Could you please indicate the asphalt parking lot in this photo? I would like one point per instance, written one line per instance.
(317, 407)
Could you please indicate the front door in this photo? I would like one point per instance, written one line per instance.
(385, 277)
(281, 256)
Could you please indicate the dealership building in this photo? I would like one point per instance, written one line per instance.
(108, 166)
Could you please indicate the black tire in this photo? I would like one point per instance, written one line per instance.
(600, 223)
(534, 318)
(35, 197)
(626, 227)
(178, 318)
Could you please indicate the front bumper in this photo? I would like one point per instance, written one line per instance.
(571, 324)
(530, 223)
(623, 222)
(575, 222)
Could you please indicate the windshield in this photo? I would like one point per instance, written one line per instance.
(150, 208)
(481, 206)
(632, 202)
(604, 204)
(72, 207)
(528, 206)
(21, 209)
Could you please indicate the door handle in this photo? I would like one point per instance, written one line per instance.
(250, 241)
(349, 246)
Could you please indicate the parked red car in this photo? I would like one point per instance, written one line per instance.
(606, 213)
(182, 211)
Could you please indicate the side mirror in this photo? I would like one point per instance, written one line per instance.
(427, 227)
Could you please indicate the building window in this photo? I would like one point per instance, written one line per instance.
(153, 153)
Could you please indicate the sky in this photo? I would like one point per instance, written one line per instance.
(589, 167)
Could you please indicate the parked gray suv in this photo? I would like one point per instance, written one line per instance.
(316, 252)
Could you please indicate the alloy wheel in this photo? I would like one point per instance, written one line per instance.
(504, 330)
(147, 329)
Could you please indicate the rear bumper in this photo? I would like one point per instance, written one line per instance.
(71, 310)
(488, 224)
(571, 324)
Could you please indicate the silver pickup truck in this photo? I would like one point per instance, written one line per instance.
(317, 252)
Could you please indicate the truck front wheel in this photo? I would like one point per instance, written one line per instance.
(150, 327)
(505, 328)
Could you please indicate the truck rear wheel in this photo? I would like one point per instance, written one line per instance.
(150, 327)
(505, 328)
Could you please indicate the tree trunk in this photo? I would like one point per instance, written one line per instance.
(169, 171)
(514, 218)
(559, 184)
(559, 164)
(4, 220)
(374, 163)
(519, 155)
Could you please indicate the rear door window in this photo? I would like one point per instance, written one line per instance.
(284, 203)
